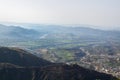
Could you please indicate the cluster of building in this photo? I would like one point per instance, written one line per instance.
(102, 63)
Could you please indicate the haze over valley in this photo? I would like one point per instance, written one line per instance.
(88, 47)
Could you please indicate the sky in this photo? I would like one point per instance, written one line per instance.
(105, 13)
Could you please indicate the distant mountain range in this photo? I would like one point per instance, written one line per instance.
(17, 64)
(16, 32)
(55, 31)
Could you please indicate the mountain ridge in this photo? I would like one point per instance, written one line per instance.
(20, 57)
(47, 71)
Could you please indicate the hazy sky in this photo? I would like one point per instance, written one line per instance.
(93, 12)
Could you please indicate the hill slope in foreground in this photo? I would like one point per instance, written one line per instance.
(17, 64)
